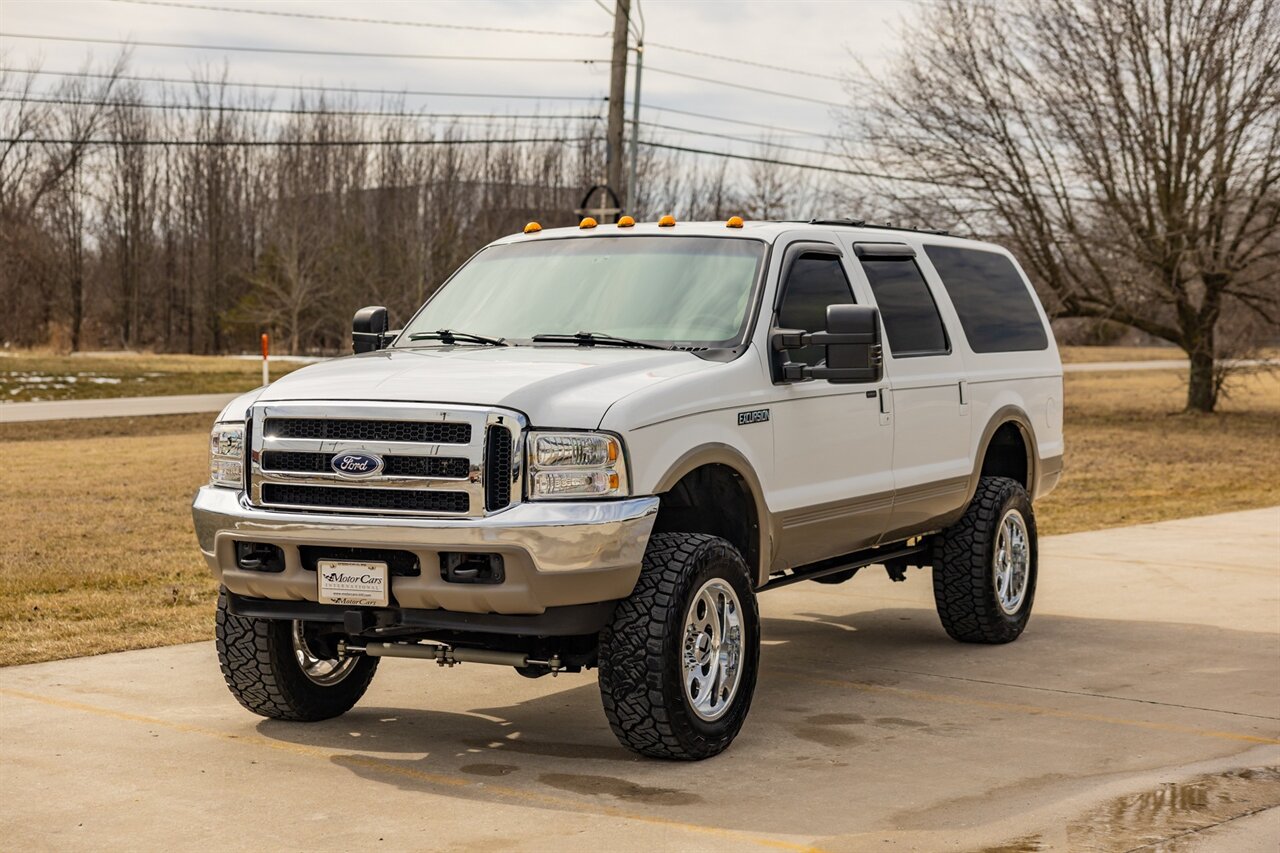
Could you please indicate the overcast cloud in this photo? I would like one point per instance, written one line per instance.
(822, 37)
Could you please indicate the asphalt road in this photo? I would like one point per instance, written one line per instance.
(1141, 705)
(117, 407)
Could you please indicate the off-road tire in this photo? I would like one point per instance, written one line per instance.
(262, 672)
(964, 586)
(641, 680)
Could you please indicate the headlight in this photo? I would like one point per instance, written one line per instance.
(576, 465)
(226, 455)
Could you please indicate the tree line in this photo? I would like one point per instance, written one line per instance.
(196, 223)
(1127, 151)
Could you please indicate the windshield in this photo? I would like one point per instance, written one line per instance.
(692, 291)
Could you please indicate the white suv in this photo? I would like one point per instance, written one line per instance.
(593, 447)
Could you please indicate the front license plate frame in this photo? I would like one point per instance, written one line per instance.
(353, 583)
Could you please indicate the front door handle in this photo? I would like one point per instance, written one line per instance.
(886, 406)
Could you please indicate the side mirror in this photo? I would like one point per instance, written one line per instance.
(852, 340)
(369, 329)
(857, 354)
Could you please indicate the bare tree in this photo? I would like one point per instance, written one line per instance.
(192, 221)
(1128, 149)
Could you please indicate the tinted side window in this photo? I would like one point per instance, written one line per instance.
(815, 281)
(996, 309)
(911, 321)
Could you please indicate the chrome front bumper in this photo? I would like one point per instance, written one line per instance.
(555, 553)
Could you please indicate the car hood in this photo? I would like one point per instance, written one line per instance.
(569, 386)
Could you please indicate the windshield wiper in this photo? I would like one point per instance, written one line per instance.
(452, 336)
(591, 339)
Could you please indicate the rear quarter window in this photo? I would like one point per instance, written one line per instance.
(996, 309)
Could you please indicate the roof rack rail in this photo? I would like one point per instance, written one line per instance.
(862, 223)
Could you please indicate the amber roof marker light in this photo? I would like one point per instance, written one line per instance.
(587, 222)
(532, 228)
(734, 222)
(667, 221)
(625, 222)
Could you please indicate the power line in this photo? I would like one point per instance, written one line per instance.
(765, 142)
(788, 95)
(403, 23)
(345, 89)
(931, 182)
(346, 143)
(743, 122)
(298, 51)
(287, 143)
(740, 61)
(420, 92)
(19, 97)
(355, 20)
(416, 92)
(418, 56)
(831, 169)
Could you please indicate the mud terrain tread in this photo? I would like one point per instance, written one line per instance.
(249, 653)
(633, 662)
(962, 578)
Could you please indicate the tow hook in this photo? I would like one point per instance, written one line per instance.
(446, 655)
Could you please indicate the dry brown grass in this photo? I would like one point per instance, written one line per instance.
(1078, 355)
(1132, 455)
(100, 555)
(100, 552)
(1086, 354)
(30, 376)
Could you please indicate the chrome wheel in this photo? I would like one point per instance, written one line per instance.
(711, 653)
(323, 671)
(1012, 562)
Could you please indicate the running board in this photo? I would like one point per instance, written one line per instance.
(856, 560)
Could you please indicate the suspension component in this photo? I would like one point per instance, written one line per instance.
(446, 655)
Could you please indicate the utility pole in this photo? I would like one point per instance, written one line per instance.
(617, 99)
(632, 196)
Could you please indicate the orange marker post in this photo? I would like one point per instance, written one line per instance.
(266, 357)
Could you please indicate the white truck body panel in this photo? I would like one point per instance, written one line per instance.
(836, 466)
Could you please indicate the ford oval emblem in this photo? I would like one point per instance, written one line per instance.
(356, 464)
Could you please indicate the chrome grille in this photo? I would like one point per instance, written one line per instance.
(370, 430)
(353, 497)
(498, 459)
(396, 466)
(437, 460)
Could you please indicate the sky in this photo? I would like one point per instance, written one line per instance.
(822, 37)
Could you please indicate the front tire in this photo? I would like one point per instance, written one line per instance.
(274, 667)
(678, 662)
(984, 567)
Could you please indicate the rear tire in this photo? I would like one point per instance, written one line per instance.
(984, 566)
(678, 662)
(272, 670)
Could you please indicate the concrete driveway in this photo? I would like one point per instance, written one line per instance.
(1142, 704)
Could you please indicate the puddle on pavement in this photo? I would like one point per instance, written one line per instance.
(1162, 817)
(826, 736)
(620, 788)
(834, 719)
(489, 769)
(1029, 844)
(550, 749)
(900, 722)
